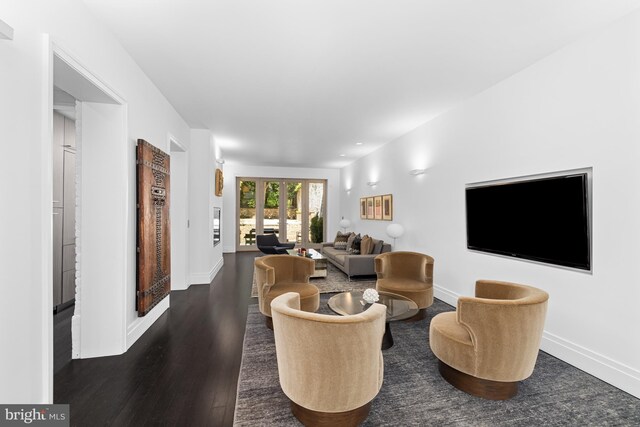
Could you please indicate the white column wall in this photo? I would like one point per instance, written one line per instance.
(205, 260)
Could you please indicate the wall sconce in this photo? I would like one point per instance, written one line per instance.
(416, 172)
(372, 183)
(220, 161)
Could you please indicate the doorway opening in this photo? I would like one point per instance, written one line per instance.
(90, 215)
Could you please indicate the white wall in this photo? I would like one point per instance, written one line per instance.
(233, 171)
(179, 218)
(25, 265)
(580, 107)
(205, 260)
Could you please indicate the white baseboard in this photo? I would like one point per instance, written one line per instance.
(206, 278)
(141, 324)
(445, 295)
(608, 370)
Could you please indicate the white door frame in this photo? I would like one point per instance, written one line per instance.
(180, 255)
(51, 49)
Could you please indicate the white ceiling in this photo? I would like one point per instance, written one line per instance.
(299, 82)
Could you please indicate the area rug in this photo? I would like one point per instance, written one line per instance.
(414, 394)
(336, 281)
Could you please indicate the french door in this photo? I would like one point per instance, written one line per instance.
(292, 209)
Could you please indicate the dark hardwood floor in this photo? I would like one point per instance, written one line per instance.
(182, 371)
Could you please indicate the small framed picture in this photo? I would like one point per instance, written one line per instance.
(377, 207)
(370, 208)
(363, 208)
(387, 207)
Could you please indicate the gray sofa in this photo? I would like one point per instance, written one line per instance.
(352, 265)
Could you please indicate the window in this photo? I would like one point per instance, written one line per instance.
(292, 209)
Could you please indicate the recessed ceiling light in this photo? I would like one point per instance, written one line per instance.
(358, 143)
(342, 155)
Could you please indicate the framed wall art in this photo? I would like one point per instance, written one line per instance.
(387, 207)
(370, 208)
(363, 208)
(377, 207)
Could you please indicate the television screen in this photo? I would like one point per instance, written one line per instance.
(545, 219)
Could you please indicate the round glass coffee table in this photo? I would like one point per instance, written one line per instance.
(398, 308)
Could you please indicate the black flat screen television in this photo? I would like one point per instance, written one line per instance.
(544, 219)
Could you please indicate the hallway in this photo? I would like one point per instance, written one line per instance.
(182, 371)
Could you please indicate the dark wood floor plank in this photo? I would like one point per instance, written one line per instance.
(182, 371)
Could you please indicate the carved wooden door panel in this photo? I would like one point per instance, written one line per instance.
(153, 261)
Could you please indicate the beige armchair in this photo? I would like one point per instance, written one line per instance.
(279, 274)
(330, 367)
(491, 341)
(409, 274)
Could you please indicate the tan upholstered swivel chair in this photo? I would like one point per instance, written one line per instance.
(491, 342)
(330, 367)
(278, 274)
(409, 274)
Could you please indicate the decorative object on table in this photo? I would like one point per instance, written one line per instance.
(344, 224)
(370, 296)
(153, 252)
(370, 214)
(387, 207)
(395, 231)
(481, 359)
(219, 182)
(409, 274)
(363, 208)
(377, 207)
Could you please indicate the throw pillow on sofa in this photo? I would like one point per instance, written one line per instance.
(341, 241)
(350, 240)
(353, 246)
(377, 246)
(366, 245)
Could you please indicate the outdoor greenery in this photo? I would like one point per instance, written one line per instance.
(271, 198)
(316, 228)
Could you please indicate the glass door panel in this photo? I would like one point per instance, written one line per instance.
(315, 212)
(247, 214)
(271, 207)
(294, 211)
